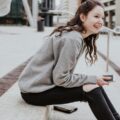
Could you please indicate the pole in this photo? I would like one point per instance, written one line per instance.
(28, 12)
(35, 12)
(108, 46)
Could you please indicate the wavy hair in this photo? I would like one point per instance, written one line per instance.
(76, 24)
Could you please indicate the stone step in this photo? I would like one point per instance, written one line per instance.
(12, 107)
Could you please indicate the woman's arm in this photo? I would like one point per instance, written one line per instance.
(63, 71)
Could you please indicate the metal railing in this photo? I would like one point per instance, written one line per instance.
(110, 32)
(32, 22)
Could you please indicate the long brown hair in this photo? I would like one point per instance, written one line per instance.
(76, 24)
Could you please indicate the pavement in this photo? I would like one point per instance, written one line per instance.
(18, 44)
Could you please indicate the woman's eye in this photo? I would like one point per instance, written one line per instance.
(97, 16)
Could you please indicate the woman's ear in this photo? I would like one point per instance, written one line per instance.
(82, 17)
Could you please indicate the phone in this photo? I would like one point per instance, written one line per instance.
(110, 80)
(65, 108)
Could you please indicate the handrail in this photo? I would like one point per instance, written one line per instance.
(110, 32)
(57, 11)
(72, 14)
(28, 12)
(61, 11)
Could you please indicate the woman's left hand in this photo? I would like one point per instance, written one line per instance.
(101, 81)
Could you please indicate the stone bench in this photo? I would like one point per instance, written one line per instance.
(13, 107)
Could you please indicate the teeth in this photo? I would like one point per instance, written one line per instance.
(98, 25)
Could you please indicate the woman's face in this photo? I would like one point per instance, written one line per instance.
(94, 20)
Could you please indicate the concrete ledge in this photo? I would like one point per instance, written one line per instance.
(12, 107)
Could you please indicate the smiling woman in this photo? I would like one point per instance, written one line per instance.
(49, 79)
(4, 7)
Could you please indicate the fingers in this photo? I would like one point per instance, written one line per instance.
(101, 82)
(106, 78)
(105, 83)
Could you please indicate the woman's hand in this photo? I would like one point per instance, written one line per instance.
(103, 81)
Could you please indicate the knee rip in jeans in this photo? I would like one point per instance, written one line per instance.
(89, 87)
(90, 96)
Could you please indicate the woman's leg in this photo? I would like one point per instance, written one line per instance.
(99, 105)
(57, 95)
(60, 95)
(116, 115)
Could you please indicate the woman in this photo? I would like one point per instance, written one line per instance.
(49, 79)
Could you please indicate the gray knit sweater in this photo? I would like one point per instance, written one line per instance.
(53, 65)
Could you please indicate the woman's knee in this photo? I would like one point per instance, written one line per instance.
(94, 94)
(95, 91)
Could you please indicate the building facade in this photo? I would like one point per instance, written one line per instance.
(112, 13)
(69, 5)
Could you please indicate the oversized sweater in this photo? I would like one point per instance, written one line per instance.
(54, 64)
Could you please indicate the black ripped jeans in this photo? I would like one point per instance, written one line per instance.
(97, 100)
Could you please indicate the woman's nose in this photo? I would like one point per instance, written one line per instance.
(101, 21)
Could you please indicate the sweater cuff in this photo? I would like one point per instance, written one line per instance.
(91, 79)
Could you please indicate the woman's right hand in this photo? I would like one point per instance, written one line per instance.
(101, 81)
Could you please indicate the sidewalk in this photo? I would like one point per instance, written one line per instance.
(18, 44)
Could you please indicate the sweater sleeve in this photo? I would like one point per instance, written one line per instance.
(63, 71)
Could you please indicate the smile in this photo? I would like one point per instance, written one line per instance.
(98, 26)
